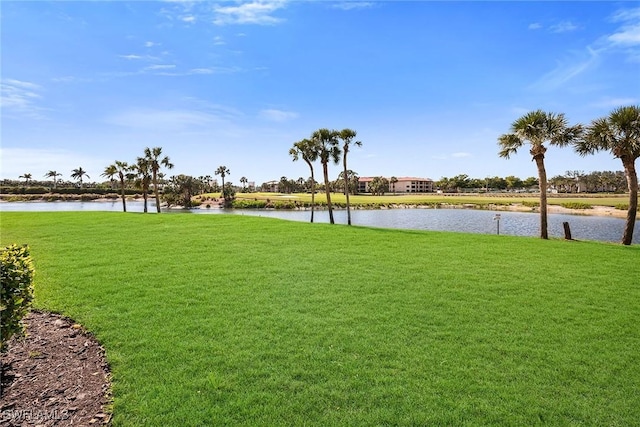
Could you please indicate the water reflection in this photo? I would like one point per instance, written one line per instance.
(461, 220)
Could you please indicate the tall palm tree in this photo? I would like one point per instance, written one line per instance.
(152, 155)
(326, 143)
(306, 150)
(244, 181)
(393, 181)
(347, 136)
(109, 172)
(27, 178)
(618, 133)
(223, 171)
(143, 178)
(536, 128)
(120, 169)
(54, 175)
(78, 174)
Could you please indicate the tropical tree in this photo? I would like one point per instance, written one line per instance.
(243, 181)
(27, 178)
(379, 185)
(143, 178)
(78, 174)
(54, 175)
(109, 172)
(347, 136)
(393, 181)
(181, 190)
(618, 133)
(223, 171)
(153, 158)
(119, 169)
(306, 150)
(325, 142)
(537, 128)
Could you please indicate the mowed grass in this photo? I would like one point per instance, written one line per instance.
(239, 320)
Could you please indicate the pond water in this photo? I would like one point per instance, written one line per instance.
(583, 227)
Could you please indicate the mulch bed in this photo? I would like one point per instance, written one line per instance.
(56, 376)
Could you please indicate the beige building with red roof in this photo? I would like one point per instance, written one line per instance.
(403, 185)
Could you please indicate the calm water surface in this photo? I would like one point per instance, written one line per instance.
(462, 220)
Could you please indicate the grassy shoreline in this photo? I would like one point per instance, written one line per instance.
(238, 320)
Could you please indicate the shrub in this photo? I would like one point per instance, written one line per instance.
(530, 204)
(576, 205)
(16, 276)
(622, 206)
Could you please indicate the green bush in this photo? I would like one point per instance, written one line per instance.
(16, 276)
(622, 206)
(530, 204)
(576, 205)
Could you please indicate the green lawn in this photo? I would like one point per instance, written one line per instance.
(478, 199)
(240, 320)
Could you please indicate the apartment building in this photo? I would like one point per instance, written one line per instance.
(403, 185)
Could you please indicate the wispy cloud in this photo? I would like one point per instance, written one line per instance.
(278, 115)
(615, 102)
(164, 120)
(19, 98)
(625, 38)
(567, 69)
(353, 4)
(563, 27)
(535, 26)
(460, 154)
(254, 12)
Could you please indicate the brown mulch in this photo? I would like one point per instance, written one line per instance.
(56, 376)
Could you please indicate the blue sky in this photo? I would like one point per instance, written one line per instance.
(428, 86)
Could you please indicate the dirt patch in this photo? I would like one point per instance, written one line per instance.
(56, 376)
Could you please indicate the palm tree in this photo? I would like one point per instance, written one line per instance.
(325, 142)
(393, 181)
(109, 172)
(143, 180)
(244, 181)
(27, 178)
(306, 150)
(120, 169)
(54, 175)
(536, 128)
(223, 171)
(347, 136)
(77, 174)
(618, 133)
(152, 155)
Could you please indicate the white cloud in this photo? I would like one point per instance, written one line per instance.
(352, 4)
(151, 44)
(160, 67)
(19, 98)
(190, 19)
(563, 27)
(461, 155)
(571, 67)
(535, 26)
(615, 102)
(172, 120)
(218, 41)
(254, 12)
(278, 115)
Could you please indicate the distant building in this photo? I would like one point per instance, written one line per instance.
(403, 185)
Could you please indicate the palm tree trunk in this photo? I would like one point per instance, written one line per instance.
(346, 187)
(145, 197)
(124, 203)
(313, 190)
(155, 190)
(542, 176)
(325, 170)
(632, 181)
